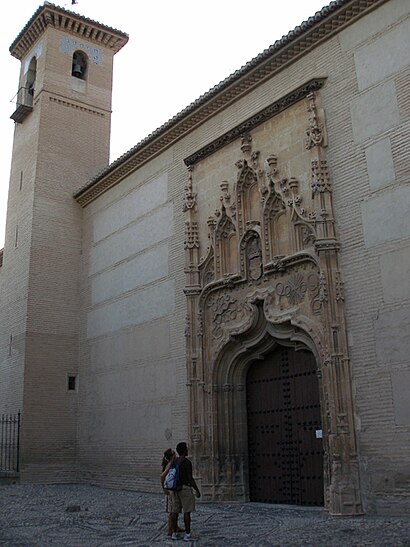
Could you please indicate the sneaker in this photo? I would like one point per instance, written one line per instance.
(187, 537)
(174, 536)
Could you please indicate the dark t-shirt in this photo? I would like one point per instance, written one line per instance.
(185, 471)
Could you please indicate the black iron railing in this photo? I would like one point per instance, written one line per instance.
(10, 442)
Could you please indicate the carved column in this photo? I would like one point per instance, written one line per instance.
(192, 329)
(343, 486)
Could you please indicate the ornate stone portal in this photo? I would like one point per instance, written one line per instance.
(269, 275)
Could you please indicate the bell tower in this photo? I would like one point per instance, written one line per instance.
(61, 140)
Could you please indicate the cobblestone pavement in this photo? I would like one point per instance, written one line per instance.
(90, 516)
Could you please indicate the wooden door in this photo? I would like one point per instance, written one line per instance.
(284, 429)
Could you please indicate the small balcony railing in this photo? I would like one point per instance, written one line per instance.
(24, 104)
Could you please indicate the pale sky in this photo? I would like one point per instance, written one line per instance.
(178, 50)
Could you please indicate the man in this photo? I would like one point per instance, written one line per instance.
(167, 461)
(183, 499)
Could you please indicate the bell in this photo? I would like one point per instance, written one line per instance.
(77, 71)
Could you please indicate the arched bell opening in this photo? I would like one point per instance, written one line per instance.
(79, 65)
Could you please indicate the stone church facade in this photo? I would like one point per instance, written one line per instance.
(238, 279)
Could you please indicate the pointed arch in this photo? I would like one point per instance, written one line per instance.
(251, 255)
(226, 246)
(276, 223)
(248, 197)
(207, 268)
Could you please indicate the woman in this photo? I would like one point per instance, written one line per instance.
(169, 456)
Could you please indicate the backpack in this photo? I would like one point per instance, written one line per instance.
(171, 481)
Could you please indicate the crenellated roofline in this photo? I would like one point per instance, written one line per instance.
(53, 16)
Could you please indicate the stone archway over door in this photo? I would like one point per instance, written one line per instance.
(263, 270)
(285, 451)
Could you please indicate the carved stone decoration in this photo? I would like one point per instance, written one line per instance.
(200, 329)
(315, 130)
(208, 274)
(339, 288)
(274, 212)
(270, 276)
(191, 235)
(226, 199)
(225, 243)
(322, 288)
(272, 162)
(315, 288)
(290, 190)
(225, 309)
(294, 289)
(254, 256)
(207, 268)
(187, 327)
(247, 196)
(269, 188)
(264, 115)
(251, 256)
(304, 222)
(320, 177)
(225, 227)
(190, 197)
(211, 222)
(246, 146)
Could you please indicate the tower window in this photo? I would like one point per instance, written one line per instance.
(79, 65)
(72, 382)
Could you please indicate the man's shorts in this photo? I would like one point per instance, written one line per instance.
(182, 500)
(167, 503)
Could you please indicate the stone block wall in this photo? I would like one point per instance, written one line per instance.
(15, 268)
(133, 265)
(371, 163)
(132, 394)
